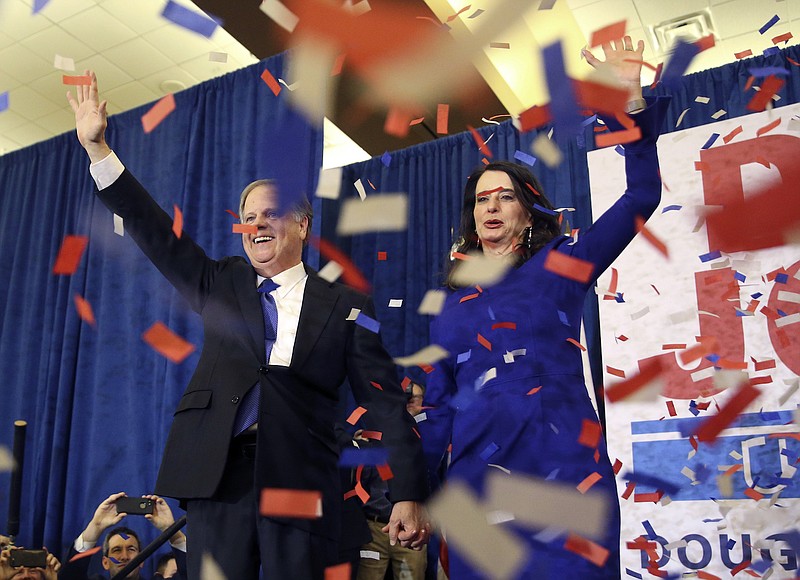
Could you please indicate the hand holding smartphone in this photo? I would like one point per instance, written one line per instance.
(135, 506)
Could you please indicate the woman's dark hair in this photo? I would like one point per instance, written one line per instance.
(529, 193)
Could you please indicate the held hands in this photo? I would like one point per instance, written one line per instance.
(162, 517)
(622, 61)
(90, 118)
(7, 572)
(409, 525)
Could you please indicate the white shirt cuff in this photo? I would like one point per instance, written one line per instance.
(179, 545)
(81, 545)
(106, 171)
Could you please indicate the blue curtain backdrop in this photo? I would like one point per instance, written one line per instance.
(99, 401)
(433, 174)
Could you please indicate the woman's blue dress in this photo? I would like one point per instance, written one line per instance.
(501, 421)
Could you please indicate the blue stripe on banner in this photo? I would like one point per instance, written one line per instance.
(688, 425)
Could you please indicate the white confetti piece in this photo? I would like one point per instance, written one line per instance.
(370, 554)
(480, 270)
(427, 355)
(703, 100)
(395, 303)
(719, 114)
(547, 151)
(64, 63)
(508, 357)
(119, 227)
(354, 312)
(362, 193)
(214, 56)
(387, 212)
(432, 302)
(331, 271)
(280, 14)
(210, 570)
(787, 320)
(680, 118)
(329, 183)
(6, 460)
(787, 296)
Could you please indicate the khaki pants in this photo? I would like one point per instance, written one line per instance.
(407, 564)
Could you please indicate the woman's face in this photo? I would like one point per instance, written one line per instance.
(499, 215)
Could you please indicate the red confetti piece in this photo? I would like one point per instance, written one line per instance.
(712, 426)
(782, 38)
(743, 54)
(652, 497)
(397, 122)
(651, 237)
(764, 365)
(81, 80)
(621, 337)
(338, 64)
(628, 490)
(233, 213)
(349, 494)
(767, 128)
(484, 343)
(158, 112)
(608, 33)
(769, 87)
(568, 267)
(603, 98)
(376, 385)
(479, 142)
(376, 435)
(86, 554)
(469, 297)
(617, 466)
(351, 275)
(593, 552)
(534, 390)
(177, 222)
(381, 256)
(290, 503)
(588, 482)
(416, 121)
(442, 117)
(733, 365)
(748, 85)
(644, 63)
(414, 429)
(673, 346)
(590, 434)
(385, 472)
(69, 255)
(356, 415)
(372, 185)
(534, 118)
(707, 346)
(338, 572)
(701, 166)
(733, 469)
(616, 372)
(84, 309)
(705, 43)
(405, 383)
(456, 15)
(649, 371)
(244, 229)
(167, 343)
(270, 81)
(618, 137)
(576, 343)
(611, 293)
(509, 325)
(727, 138)
(671, 409)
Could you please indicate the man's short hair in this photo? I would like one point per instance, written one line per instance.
(300, 208)
(161, 565)
(120, 531)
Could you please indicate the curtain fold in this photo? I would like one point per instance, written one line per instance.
(98, 400)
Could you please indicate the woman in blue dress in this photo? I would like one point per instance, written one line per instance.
(523, 410)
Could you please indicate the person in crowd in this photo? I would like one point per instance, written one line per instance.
(526, 416)
(378, 554)
(260, 409)
(9, 572)
(121, 544)
(166, 567)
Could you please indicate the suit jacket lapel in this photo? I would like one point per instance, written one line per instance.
(244, 284)
(318, 303)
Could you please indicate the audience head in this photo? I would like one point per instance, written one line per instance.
(416, 394)
(120, 546)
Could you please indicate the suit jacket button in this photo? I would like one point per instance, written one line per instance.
(235, 399)
(263, 369)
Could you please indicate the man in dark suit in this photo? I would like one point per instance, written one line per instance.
(295, 370)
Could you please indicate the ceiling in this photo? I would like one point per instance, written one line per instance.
(140, 56)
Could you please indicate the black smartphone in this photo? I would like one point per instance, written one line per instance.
(28, 558)
(135, 506)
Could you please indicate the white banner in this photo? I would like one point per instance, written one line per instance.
(749, 302)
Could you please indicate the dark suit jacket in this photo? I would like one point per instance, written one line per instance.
(298, 403)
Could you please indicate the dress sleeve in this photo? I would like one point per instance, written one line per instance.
(439, 391)
(610, 234)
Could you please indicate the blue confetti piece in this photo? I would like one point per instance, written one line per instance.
(765, 71)
(490, 450)
(771, 50)
(123, 536)
(760, 566)
(740, 313)
(756, 296)
(731, 543)
(633, 574)
(652, 481)
(589, 121)
(3, 101)
(463, 357)
(563, 104)
(113, 559)
(710, 256)
(370, 324)
(651, 533)
(542, 209)
(782, 278)
(562, 316)
(713, 357)
(739, 276)
(386, 158)
(353, 457)
(781, 312)
(39, 4)
(772, 22)
(619, 299)
(553, 474)
(710, 142)
(620, 149)
(671, 208)
(491, 313)
(711, 520)
(679, 61)
(525, 158)
(189, 19)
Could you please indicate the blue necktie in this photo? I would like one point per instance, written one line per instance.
(247, 414)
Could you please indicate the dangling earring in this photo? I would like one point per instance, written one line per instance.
(527, 237)
(477, 239)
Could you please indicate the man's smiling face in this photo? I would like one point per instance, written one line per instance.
(278, 243)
